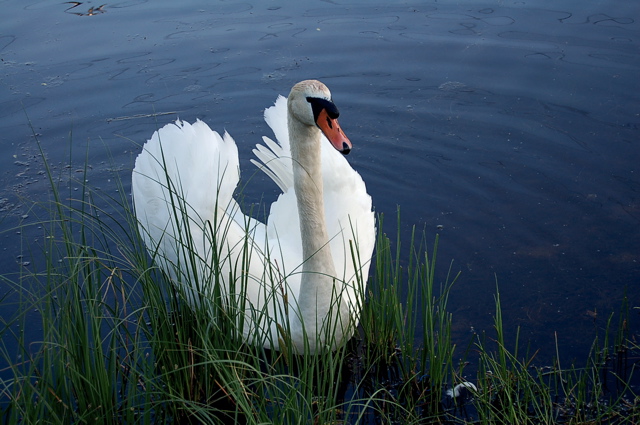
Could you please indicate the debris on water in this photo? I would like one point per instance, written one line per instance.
(5, 205)
(458, 389)
(453, 86)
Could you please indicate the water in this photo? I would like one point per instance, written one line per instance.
(512, 125)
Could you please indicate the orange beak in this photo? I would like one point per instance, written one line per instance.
(333, 132)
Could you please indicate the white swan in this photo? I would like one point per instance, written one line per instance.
(296, 274)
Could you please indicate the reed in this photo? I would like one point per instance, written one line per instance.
(121, 342)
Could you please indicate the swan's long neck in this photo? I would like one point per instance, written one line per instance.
(307, 172)
(317, 290)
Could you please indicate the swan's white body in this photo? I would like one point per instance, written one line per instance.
(296, 274)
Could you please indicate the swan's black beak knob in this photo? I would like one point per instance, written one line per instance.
(326, 115)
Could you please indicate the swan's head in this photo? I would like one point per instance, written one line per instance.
(310, 103)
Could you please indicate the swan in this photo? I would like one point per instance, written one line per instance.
(294, 277)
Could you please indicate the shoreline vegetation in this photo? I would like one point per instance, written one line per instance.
(119, 343)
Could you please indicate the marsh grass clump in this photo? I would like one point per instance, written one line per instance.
(406, 328)
(513, 388)
(119, 342)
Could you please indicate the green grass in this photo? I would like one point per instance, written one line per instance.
(120, 343)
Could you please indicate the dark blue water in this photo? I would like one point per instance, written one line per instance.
(512, 125)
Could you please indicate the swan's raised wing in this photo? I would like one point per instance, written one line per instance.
(183, 184)
(275, 157)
